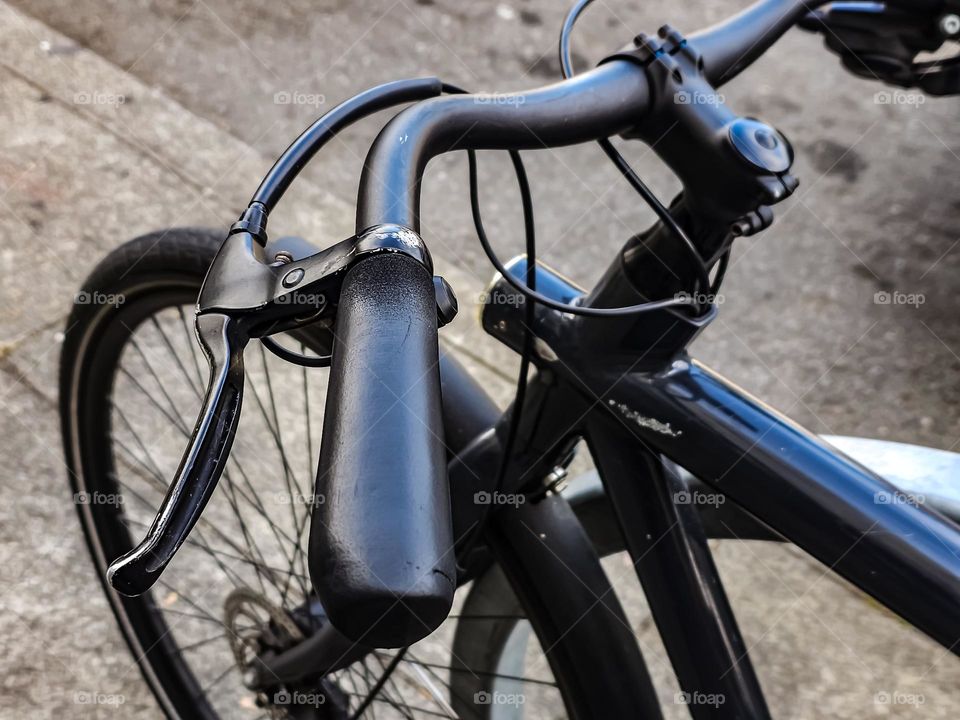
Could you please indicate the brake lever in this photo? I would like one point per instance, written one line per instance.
(245, 296)
(203, 461)
(878, 42)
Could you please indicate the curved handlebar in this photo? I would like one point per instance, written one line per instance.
(598, 103)
(593, 105)
(729, 47)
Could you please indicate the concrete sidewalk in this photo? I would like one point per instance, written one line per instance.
(876, 211)
(91, 156)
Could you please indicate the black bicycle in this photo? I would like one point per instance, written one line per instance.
(323, 600)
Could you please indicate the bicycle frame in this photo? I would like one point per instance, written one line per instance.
(626, 384)
(638, 419)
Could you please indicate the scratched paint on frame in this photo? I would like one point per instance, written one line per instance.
(644, 422)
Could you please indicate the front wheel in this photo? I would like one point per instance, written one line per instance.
(131, 381)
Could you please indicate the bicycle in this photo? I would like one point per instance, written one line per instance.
(423, 484)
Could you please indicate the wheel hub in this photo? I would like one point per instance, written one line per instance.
(256, 626)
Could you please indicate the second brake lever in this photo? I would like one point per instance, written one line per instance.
(202, 464)
(881, 41)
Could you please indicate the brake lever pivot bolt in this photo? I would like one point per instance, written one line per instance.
(293, 278)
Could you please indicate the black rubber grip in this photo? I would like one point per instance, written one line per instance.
(381, 539)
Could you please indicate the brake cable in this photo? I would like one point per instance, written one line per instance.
(529, 228)
(291, 356)
(703, 274)
(302, 150)
(620, 162)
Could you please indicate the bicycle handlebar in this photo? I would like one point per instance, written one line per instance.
(730, 46)
(602, 102)
(381, 551)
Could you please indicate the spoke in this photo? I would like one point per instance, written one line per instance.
(467, 702)
(311, 463)
(287, 472)
(201, 643)
(287, 476)
(154, 469)
(220, 677)
(387, 671)
(481, 673)
(204, 618)
(364, 682)
(193, 603)
(232, 501)
(153, 373)
(229, 631)
(300, 554)
(198, 389)
(368, 677)
(311, 458)
(391, 685)
(385, 701)
(177, 422)
(283, 540)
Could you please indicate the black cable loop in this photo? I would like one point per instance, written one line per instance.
(294, 357)
(526, 200)
(566, 67)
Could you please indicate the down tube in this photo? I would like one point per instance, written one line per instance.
(904, 555)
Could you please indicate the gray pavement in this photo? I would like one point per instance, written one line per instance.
(205, 88)
(876, 210)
